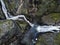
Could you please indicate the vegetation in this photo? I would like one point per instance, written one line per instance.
(34, 10)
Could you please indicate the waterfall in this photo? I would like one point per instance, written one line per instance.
(38, 28)
(10, 17)
(48, 28)
(4, 9)
(18, 17)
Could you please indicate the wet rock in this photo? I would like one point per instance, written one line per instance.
(57, 39)
(46, 39)
(5, 26)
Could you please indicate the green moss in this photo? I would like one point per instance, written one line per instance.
(46, 6)
(3, 21)
(41, 41)
(57, 39)
(55, 16)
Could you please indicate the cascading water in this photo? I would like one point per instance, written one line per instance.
(35, 28)
(39, 28)
(4, 9)
(10, 17)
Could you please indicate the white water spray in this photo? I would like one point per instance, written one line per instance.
(48, 28)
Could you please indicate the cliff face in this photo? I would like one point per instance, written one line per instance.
(48, 11)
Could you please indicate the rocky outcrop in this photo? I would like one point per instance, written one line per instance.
(9, 31)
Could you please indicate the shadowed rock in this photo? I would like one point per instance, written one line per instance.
(11, 30)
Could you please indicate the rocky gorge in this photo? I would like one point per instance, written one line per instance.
(45, 12)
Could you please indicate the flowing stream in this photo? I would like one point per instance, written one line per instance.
(4, 9)
(38, 28)
(9, 16)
